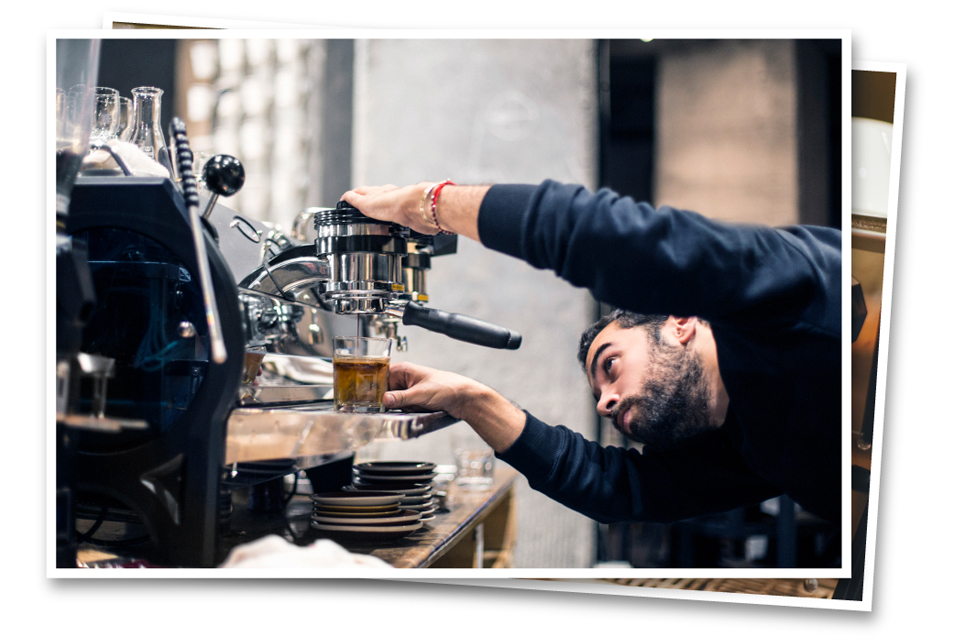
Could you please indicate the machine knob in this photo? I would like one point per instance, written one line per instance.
(223, 175)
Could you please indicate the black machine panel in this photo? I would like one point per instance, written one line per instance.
(149, 317)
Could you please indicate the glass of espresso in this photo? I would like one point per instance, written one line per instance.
(361, 366)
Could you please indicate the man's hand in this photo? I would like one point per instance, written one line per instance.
(399, 205)
(418, 388)
(457, 206)
(422, 389)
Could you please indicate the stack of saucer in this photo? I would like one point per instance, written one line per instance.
(412, 479)
(363, 515)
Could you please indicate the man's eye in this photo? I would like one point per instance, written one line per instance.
(607, 364)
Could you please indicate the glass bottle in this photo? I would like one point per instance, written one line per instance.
(126, 119)
(106, 113)
(146, 133)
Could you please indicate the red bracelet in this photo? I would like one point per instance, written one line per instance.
(433, 204)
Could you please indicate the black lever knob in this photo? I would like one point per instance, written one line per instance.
(223, 175)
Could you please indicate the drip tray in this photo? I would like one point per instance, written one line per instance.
(308, 432)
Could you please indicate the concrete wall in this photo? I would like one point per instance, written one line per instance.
(479, 111)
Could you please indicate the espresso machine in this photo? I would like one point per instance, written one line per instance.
(214, 334)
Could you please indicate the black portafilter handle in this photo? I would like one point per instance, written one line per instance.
(461, 327)
(183, 161)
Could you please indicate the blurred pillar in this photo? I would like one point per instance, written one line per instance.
(727, 142)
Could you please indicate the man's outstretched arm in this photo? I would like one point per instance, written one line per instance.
(633, 256)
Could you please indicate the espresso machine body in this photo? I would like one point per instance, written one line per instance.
(163, 468)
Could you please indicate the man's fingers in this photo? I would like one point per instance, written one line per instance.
(359, 194)
(409, 387)
(401, 380)
(398, 376)
(410, 399)
(353, 198)
(394, 399)
(404, 374)
(363, 190)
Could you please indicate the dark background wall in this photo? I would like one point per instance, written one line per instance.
(126, 64)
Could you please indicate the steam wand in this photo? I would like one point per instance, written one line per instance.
(184, 164)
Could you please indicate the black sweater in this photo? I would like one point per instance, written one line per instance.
(773, 299)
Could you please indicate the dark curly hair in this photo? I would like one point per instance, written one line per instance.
(624, 319)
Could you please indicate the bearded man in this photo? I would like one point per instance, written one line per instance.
(723, 361)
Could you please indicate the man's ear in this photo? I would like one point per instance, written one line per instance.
(683, 329)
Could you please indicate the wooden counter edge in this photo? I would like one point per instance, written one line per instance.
(467, 525)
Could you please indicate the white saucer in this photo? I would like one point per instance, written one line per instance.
(357, 498)
(416, 499)
(403, 489)
(394, 479)
(425, 506)
(398, 467)
(378, 532)
(405, 517)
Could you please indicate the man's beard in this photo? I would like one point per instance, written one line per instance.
(672, 408)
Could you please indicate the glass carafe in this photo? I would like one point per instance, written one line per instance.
(146, 133)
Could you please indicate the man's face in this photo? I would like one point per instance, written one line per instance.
(654, 391)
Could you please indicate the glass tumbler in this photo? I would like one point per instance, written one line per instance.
(361, 367)
(475, 459)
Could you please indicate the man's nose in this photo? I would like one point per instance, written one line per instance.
(608, 399)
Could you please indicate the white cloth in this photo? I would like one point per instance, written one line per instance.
(136, 161)
(273, 551)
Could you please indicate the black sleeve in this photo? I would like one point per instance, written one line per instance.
(666, 261)
(622, 484)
